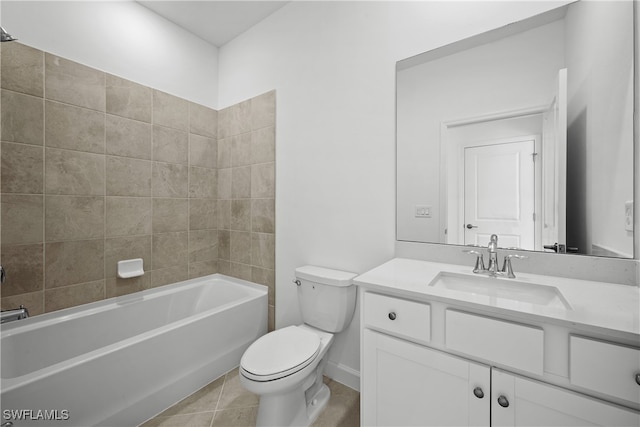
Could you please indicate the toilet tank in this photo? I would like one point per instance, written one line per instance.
(327, 297)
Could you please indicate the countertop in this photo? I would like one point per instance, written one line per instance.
(606, 308)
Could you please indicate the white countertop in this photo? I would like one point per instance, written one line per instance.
(606, 308)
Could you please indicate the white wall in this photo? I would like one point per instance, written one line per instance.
(333, 67)
(122, 38)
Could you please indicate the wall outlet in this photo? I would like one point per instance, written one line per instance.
(628, 215)
(423, 211)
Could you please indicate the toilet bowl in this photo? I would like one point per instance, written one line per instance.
(285, 367)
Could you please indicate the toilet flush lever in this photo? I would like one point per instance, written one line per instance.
(297, 282)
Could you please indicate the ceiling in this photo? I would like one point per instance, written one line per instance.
(215, 21)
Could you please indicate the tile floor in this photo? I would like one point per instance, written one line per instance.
(225, 403)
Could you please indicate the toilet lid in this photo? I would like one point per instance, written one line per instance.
(280, 353)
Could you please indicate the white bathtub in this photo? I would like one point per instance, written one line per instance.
(120, 361)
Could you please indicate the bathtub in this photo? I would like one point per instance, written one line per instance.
(120, 361)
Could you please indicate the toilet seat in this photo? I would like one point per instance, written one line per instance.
(280, 353)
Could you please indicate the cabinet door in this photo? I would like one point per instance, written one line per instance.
(406, 384)
(532, 403)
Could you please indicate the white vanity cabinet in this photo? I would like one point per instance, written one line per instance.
(407, 384)
(432, 363)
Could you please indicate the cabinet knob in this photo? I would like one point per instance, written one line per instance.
(478, 392)
(638, 379)
(392, 315)
(503, 401)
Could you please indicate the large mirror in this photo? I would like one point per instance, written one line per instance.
(526, 132)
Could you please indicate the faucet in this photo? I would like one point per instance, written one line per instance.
(493, 270)
(15, 314)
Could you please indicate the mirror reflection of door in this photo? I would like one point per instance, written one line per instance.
(499, 193)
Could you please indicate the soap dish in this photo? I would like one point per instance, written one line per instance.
(130, 268)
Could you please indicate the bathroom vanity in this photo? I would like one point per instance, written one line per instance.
(443, 346)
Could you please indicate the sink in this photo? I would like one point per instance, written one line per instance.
(506, 291)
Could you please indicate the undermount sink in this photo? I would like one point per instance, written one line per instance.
(501, 289)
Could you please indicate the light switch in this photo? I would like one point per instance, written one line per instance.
(628, 215)
(423, 211)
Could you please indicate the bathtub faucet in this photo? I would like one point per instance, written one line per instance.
(15, 314)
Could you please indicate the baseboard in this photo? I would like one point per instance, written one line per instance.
(343, 374)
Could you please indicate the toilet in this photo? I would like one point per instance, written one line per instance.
(285, 367)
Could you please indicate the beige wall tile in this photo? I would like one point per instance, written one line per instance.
(170, 145)
(263, 250)
(169, 275)
(128, 216)
(199, 269)
(263, 180)
(224, 183)
(224, 153)
(202, 214)
(240, 247)
(170, 111)
(241, 182)
(73, 83)
(22, 219)
(169, 249)
(74, 128)
(74, 172)
(22, 168)
(128, 138)
(271, 319)
(266, 277)
(263, 216)
(240, 118)
(71, 296)
(203, 183)
(203, 120)
(241, 271)
(263, 110)
(224, 214)
(78, 261)
(170, 180)
(34, 302)
(23, 122)
(241, 215)
(128, 177)
(224, 245)
(22, 69)
(170, 215)
(24, 265)
(116, 286)
(203, 245)
(224, 123)
(123, 248)
(241, 150)
(128, 99)
(73, 217)
(224, 267)
(263, 145)
(203, 151)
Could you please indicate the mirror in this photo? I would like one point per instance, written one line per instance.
(526, 132)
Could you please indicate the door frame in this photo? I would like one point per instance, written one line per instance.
(452, 176)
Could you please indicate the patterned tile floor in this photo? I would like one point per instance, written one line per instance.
(224, 402)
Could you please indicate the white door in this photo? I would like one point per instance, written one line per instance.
(499, 193)
(405, 384)
(517, 401)
(554, 165)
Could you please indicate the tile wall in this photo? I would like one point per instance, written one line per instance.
(96, 168)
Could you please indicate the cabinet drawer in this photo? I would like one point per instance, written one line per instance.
(397, 316)
(605, 367)
(498, 341)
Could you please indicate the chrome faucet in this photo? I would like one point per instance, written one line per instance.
(493, 270)
(15, 314)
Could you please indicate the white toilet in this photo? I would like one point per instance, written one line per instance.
(285, 367)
